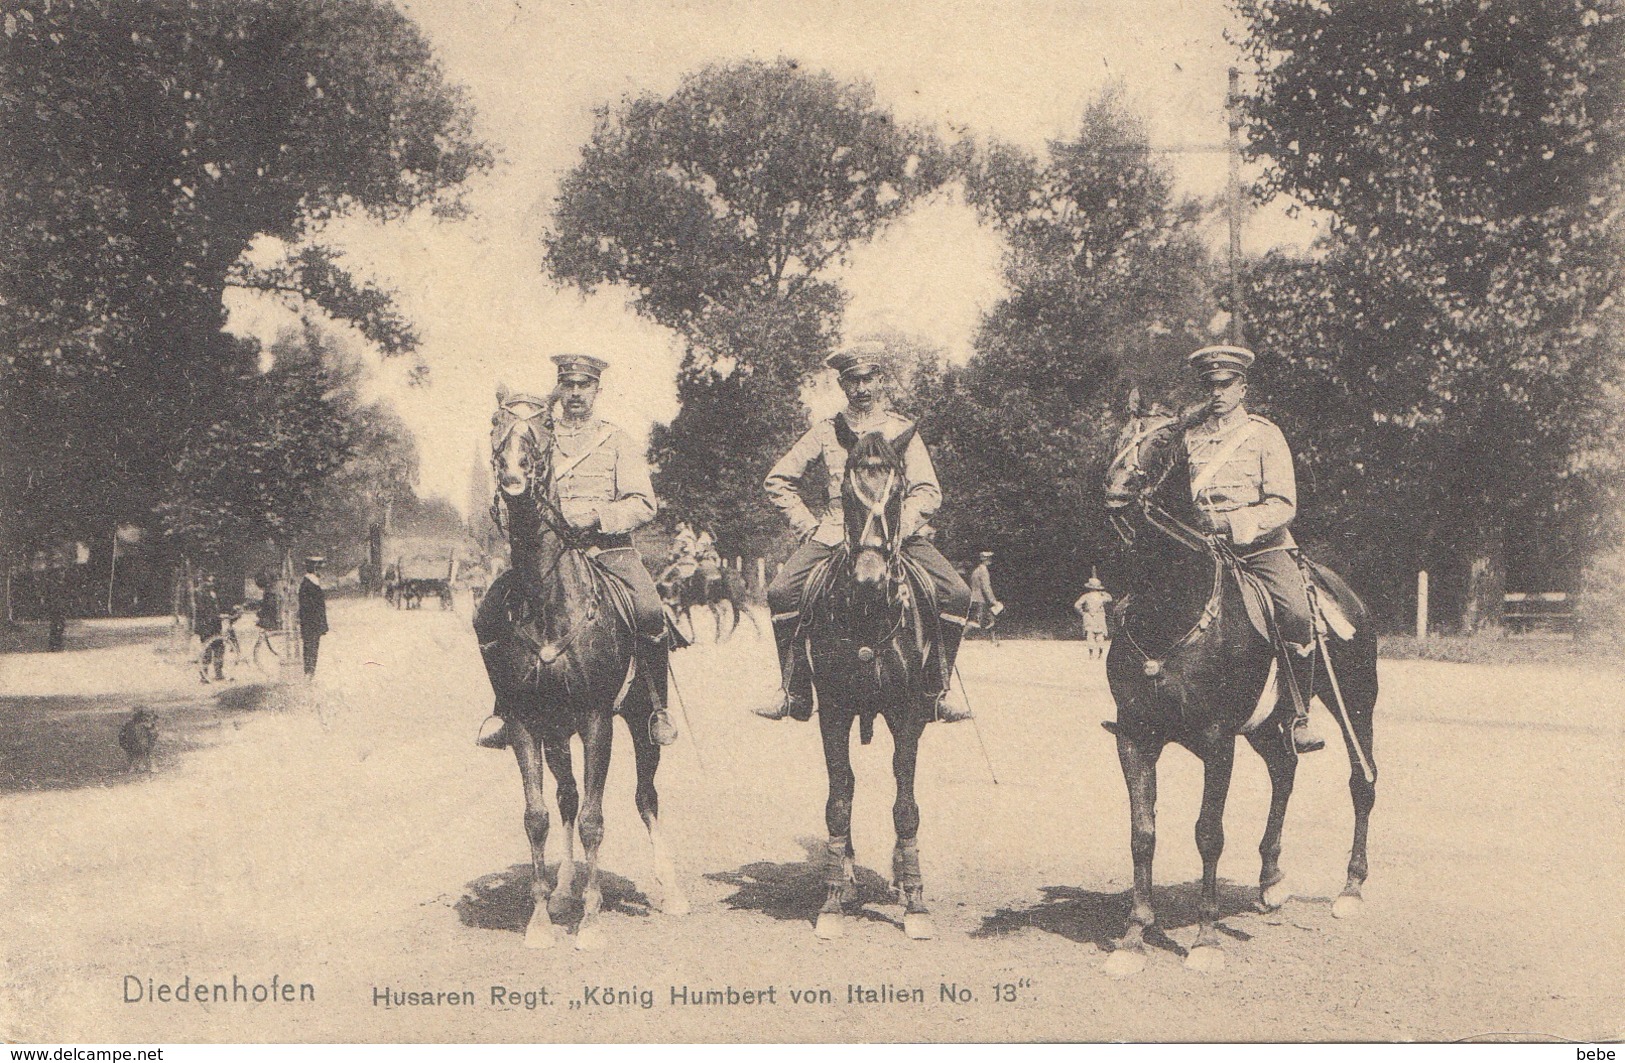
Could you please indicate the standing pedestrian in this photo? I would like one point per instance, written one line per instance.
(985, 606)
(1091, 609)
(312, 612)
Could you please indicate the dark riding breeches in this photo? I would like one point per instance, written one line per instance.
(1278, 571)
(627, 566)
(785, 592)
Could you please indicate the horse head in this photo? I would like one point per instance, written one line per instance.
(872, 501)
(1148, 449)
(521, 443)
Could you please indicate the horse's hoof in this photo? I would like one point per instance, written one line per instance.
(1124, 963)
(1205, 958)
(539, 935)
(918, 926)
(831, 925)
(1272, 897)
(589, 939)
(1348, 906)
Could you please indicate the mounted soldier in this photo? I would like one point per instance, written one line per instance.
(683, 560)
(861, 370)
(1245, 489)
(605, 493)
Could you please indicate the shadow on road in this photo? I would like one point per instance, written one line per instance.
(63, 743)
(501, 900)
(1090, 916)
(795, 892)
(29, 636)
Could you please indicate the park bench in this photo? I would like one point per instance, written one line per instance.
(1524, 611)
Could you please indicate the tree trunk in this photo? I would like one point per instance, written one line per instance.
(1485, 591)
(375, 557)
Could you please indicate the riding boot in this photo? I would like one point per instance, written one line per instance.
(794, 700)
(947, 713)
(496, 737)
(652, 665)
(1298, 660)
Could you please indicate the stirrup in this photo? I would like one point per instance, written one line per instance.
(662, 732)
(495, 739)
(1303, 739)
(788, 707)
(948, 713)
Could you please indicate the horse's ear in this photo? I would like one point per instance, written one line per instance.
(1134, 406)
(503, 393)
(844, 434)
(900, 444)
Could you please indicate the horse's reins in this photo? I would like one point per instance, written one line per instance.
(1160, 518)
(548, 511)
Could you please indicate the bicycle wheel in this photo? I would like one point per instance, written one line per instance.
(206, 658)
(266, 657)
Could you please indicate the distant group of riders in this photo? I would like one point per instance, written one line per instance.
(1219, 612)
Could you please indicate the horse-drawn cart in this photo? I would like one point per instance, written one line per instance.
(405, 591)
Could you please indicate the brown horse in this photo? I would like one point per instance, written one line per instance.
(1188, 666)
(559, 655)
(867, 635)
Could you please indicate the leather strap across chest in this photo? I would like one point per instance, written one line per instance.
(1211, 466)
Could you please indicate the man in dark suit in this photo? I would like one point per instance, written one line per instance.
(312, 612)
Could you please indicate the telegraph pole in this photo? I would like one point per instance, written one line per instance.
(1232, 106)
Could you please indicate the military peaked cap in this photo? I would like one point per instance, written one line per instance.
(580, 365)
(858, 359)
(1221, 362)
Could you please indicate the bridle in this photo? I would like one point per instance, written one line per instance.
(536, 463)
(1155, 513)
(1158, 516)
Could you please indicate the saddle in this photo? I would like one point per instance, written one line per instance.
(1333, 605)
(921, 592)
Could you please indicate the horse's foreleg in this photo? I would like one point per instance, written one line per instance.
(1283, 768)
(672, 900)
(1217, 764)
(906, 818)
(1139, 764)
(557, 750)
(1359, 690)
(539, 931)
(596, 742)
(839, 873)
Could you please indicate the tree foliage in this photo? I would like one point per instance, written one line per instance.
(149, 144)
(1108, 287)
(722, 207)
(1468, 154)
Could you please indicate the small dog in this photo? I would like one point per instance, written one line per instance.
(138, 737)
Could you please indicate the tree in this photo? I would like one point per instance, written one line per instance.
(149, 144)
(1109, 285)
(722, 207)
(1468, 155)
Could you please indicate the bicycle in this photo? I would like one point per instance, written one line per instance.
(222, 650)
(267, 658)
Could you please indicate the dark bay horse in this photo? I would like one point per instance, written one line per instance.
(871, 655)
(1189, 667)
(559, 656)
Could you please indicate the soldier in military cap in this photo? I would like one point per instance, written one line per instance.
(604, 489)
(1243, 483)
(861, 369)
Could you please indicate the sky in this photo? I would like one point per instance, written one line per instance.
(1018, 71)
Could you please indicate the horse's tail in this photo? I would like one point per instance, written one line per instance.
(866, 726)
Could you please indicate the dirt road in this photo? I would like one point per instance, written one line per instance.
(350, 838)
